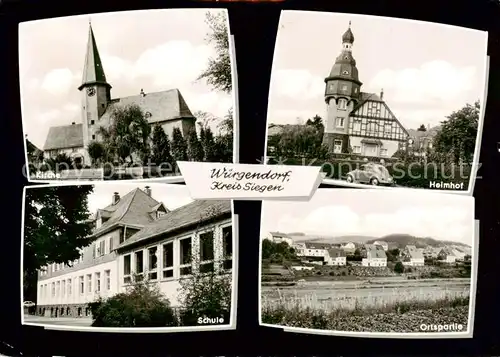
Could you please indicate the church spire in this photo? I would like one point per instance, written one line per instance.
(93, 72)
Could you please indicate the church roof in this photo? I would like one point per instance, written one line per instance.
(158, 106)
(132, 209)
(183, 217)
(61, 137)
(93, 71)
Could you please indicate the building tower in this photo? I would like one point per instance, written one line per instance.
(95, 92)
(342, 93)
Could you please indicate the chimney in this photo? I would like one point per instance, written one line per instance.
(116, 198)
(142, 93)
(72, 123)
(147, 189)
(382, 94)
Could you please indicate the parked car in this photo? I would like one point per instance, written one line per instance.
(371, 173)
(29, 304)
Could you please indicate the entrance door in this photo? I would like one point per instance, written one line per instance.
(337, 146)
(370, 149)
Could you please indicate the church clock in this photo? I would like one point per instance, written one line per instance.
(90, 91)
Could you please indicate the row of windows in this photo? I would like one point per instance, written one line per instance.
(64, 288)
(55, 267)
(146, 261)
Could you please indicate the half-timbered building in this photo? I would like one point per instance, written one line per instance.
(358, 123)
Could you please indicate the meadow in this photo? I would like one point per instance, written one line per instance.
(367, 306)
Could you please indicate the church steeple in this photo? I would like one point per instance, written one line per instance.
(93, 71)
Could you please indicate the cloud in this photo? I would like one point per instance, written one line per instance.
(324, 220)
(57, 82)
(439, 222)
(290, 116)
(433, 82)
(166, 65)
(298, 84)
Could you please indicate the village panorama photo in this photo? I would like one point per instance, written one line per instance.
(378, 101)
(114, 255)
(370, 263)
(125, 95)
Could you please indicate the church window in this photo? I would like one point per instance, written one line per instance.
(92, 122)
(346, 57)
(342, 104)
(93, 137)
(102, 105)
(339, 122)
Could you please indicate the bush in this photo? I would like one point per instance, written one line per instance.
(205, 295)
(142, 305)
(399, 268)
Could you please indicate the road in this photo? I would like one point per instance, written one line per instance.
(65, 321)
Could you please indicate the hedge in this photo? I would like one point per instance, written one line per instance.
(420, 174)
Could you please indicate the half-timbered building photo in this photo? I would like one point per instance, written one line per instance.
(375, 97)
(126, 256)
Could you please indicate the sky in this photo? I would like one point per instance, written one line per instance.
(154, 50)
(172, 196)
(426, 70)
(375, 213)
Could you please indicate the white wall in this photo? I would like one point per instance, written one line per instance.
(390, 145)
(74, 296)
(170, 285)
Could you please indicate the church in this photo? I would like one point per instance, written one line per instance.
(358, 123)
(167, 108)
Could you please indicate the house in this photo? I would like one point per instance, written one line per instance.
(167, 109)
(447, 255)
(358, 123)
(136, 234)
(421, 140)
(431, 252)
(278, 237)
(312, 251)
(383, 244)
(375, 256)
(335, 256)
(349, 248)
(412, 256)
(458, 253)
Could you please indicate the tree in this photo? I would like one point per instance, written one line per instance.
(457, 136)
(142, 305)
(277, 251)
(194, 147)
(55, 228)
(207, 292)
(399, 268)
(301, 141)
(208, 144)
(218, 71)
(224, 141)
(160, 147)
(60, 162)
(127, 135)
(96, 152)
(179, 146)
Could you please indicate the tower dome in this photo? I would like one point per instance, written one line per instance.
(348, 37)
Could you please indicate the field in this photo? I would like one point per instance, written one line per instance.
(375, 305)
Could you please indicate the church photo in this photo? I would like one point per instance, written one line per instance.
(126, 95)
(377, 101)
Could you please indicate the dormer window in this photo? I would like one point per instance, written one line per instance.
(159, 214)
(345, 73)
(148, 115)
